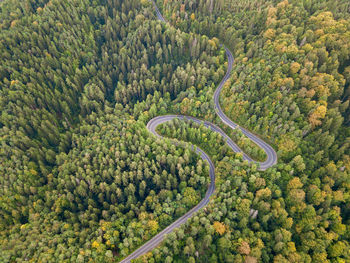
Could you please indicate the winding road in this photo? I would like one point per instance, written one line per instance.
(152, 125)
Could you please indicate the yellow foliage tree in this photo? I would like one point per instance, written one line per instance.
(212, 43)
(263, 193)
(153, 226)
(13, 23)
(272, 12)
(317, 115)
(294, 183)
(294, 67)
(283, 4)
(270, 33)
(219, 227)
(95, 244)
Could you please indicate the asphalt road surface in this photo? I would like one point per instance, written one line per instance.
(152, 125)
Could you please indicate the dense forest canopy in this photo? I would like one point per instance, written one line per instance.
(83, 180)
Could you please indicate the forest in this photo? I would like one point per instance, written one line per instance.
(83, 180)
